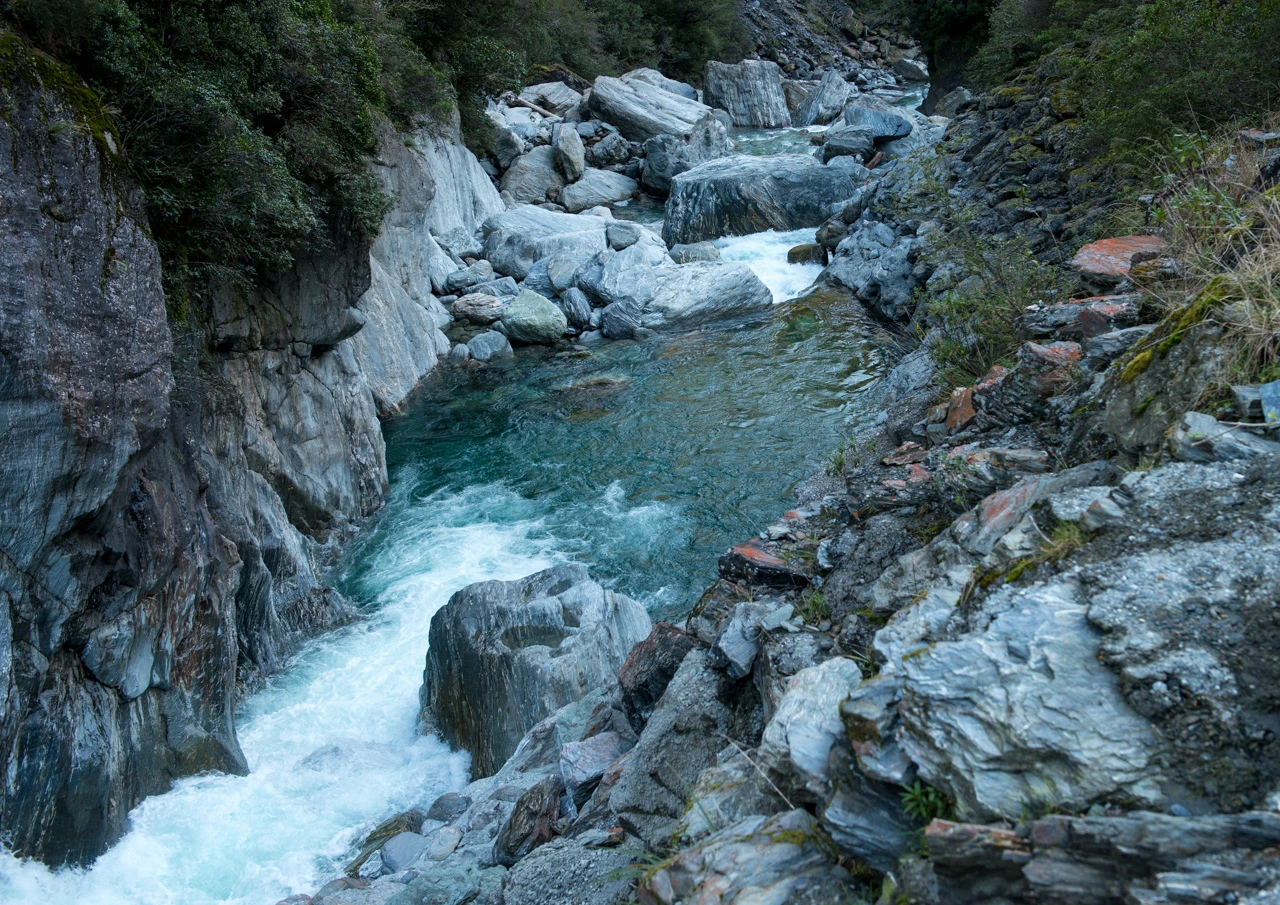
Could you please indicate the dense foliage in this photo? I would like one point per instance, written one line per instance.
(249, 123)
(1144, 70)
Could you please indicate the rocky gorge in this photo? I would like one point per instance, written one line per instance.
(998, 651)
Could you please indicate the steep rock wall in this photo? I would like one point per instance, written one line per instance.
(166, 518)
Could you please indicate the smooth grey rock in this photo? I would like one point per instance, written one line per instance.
(576, 307)
(1024, 712)
(448, 806)
(631, 275)
(623, 234)
(538, 280)
(698, 251)
(532, 318)
(516, 239)
(1248, 401)
(954, 101)
(503, 287)
(799, 737)
(883, 123)
(658, 80)
(490, 346)
(504, 655)
(479, 272)
(597, 187)
(848, 141)
(571, 154)
(560, 272)
(700, 708)
(667, 156)
(864, 818)
(443, 843)
(533, 178)
(507, 147)
(826, 102)
(402, 850)
(620, 320)
(742, 194)
(750, 91)
(911, 70)
(641, 110)
(738, 642)
(478, 308)
(692, 294)
(459, 354)
(554, 97)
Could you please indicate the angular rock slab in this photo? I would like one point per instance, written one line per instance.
(750, 91)
(826, 103)
(1024, 713)
(641, 110)
(742, 194)
(1109, 261)
(533, 177)
(596, 188)
(691, 294)
(504, 655)
(515, 240)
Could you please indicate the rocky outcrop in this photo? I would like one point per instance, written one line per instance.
(667, 156)
(504, 655)
(750, 91)
(741, 194)
(175, 521)
(825, 103)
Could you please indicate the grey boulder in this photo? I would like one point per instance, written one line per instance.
(742, 194)
(693, 294)
(516, 239)
(533, 178)
(667, 156)
(875, 263)
(595, 188)
(641, 110)
(826, 102)
(750, 91)
(658, 80)
(883, 123)
(490, 346)
(631, 275)
(478, 308)
(554, 97)
(848, 141)
(698, 251)
(401, 850)
(534, 319)
(504, 655)
(570, 153)
(576, 307)
(620, 320)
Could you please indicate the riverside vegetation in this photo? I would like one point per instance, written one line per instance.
(1017, 641)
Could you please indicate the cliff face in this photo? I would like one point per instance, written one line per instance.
(165, 519)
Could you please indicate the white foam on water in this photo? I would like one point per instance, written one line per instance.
(766, 254)
(332, 742)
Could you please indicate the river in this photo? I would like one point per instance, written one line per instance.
(644, 460)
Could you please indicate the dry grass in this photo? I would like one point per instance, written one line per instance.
(1223, 221)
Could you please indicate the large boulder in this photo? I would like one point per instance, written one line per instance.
(595, 188)
(570, 154)
(658, 80)
(848, 141)
(641, 110)
(826, 102)
(691, 294)
(743, 194)
(535, 319)
(875, 263)
(533, 177)
(503, 655)
(631, 275)
(750, 91)
(515, 240)
(884, 122)
(667, 156)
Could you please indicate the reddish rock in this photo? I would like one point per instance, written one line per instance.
(648, 669)
(994, 376)
(917, 474)
(751, 562)
(960, 410)
(1109, 261)
(1102, 314)
(1049, 367)
(906, 454)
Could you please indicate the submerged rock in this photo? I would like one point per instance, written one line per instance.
(742, 194)
(503, 655)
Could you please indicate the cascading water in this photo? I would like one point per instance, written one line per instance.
(644, 460)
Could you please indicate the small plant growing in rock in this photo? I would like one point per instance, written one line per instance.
(925, 804)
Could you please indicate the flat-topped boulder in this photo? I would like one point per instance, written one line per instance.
(503, 655)
(641, 110)
(597, 187)
(742, 194)
(692, 294)
(750, 92)
(658, 80)
(1108, 262)
(516, 239)
(555, 97)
